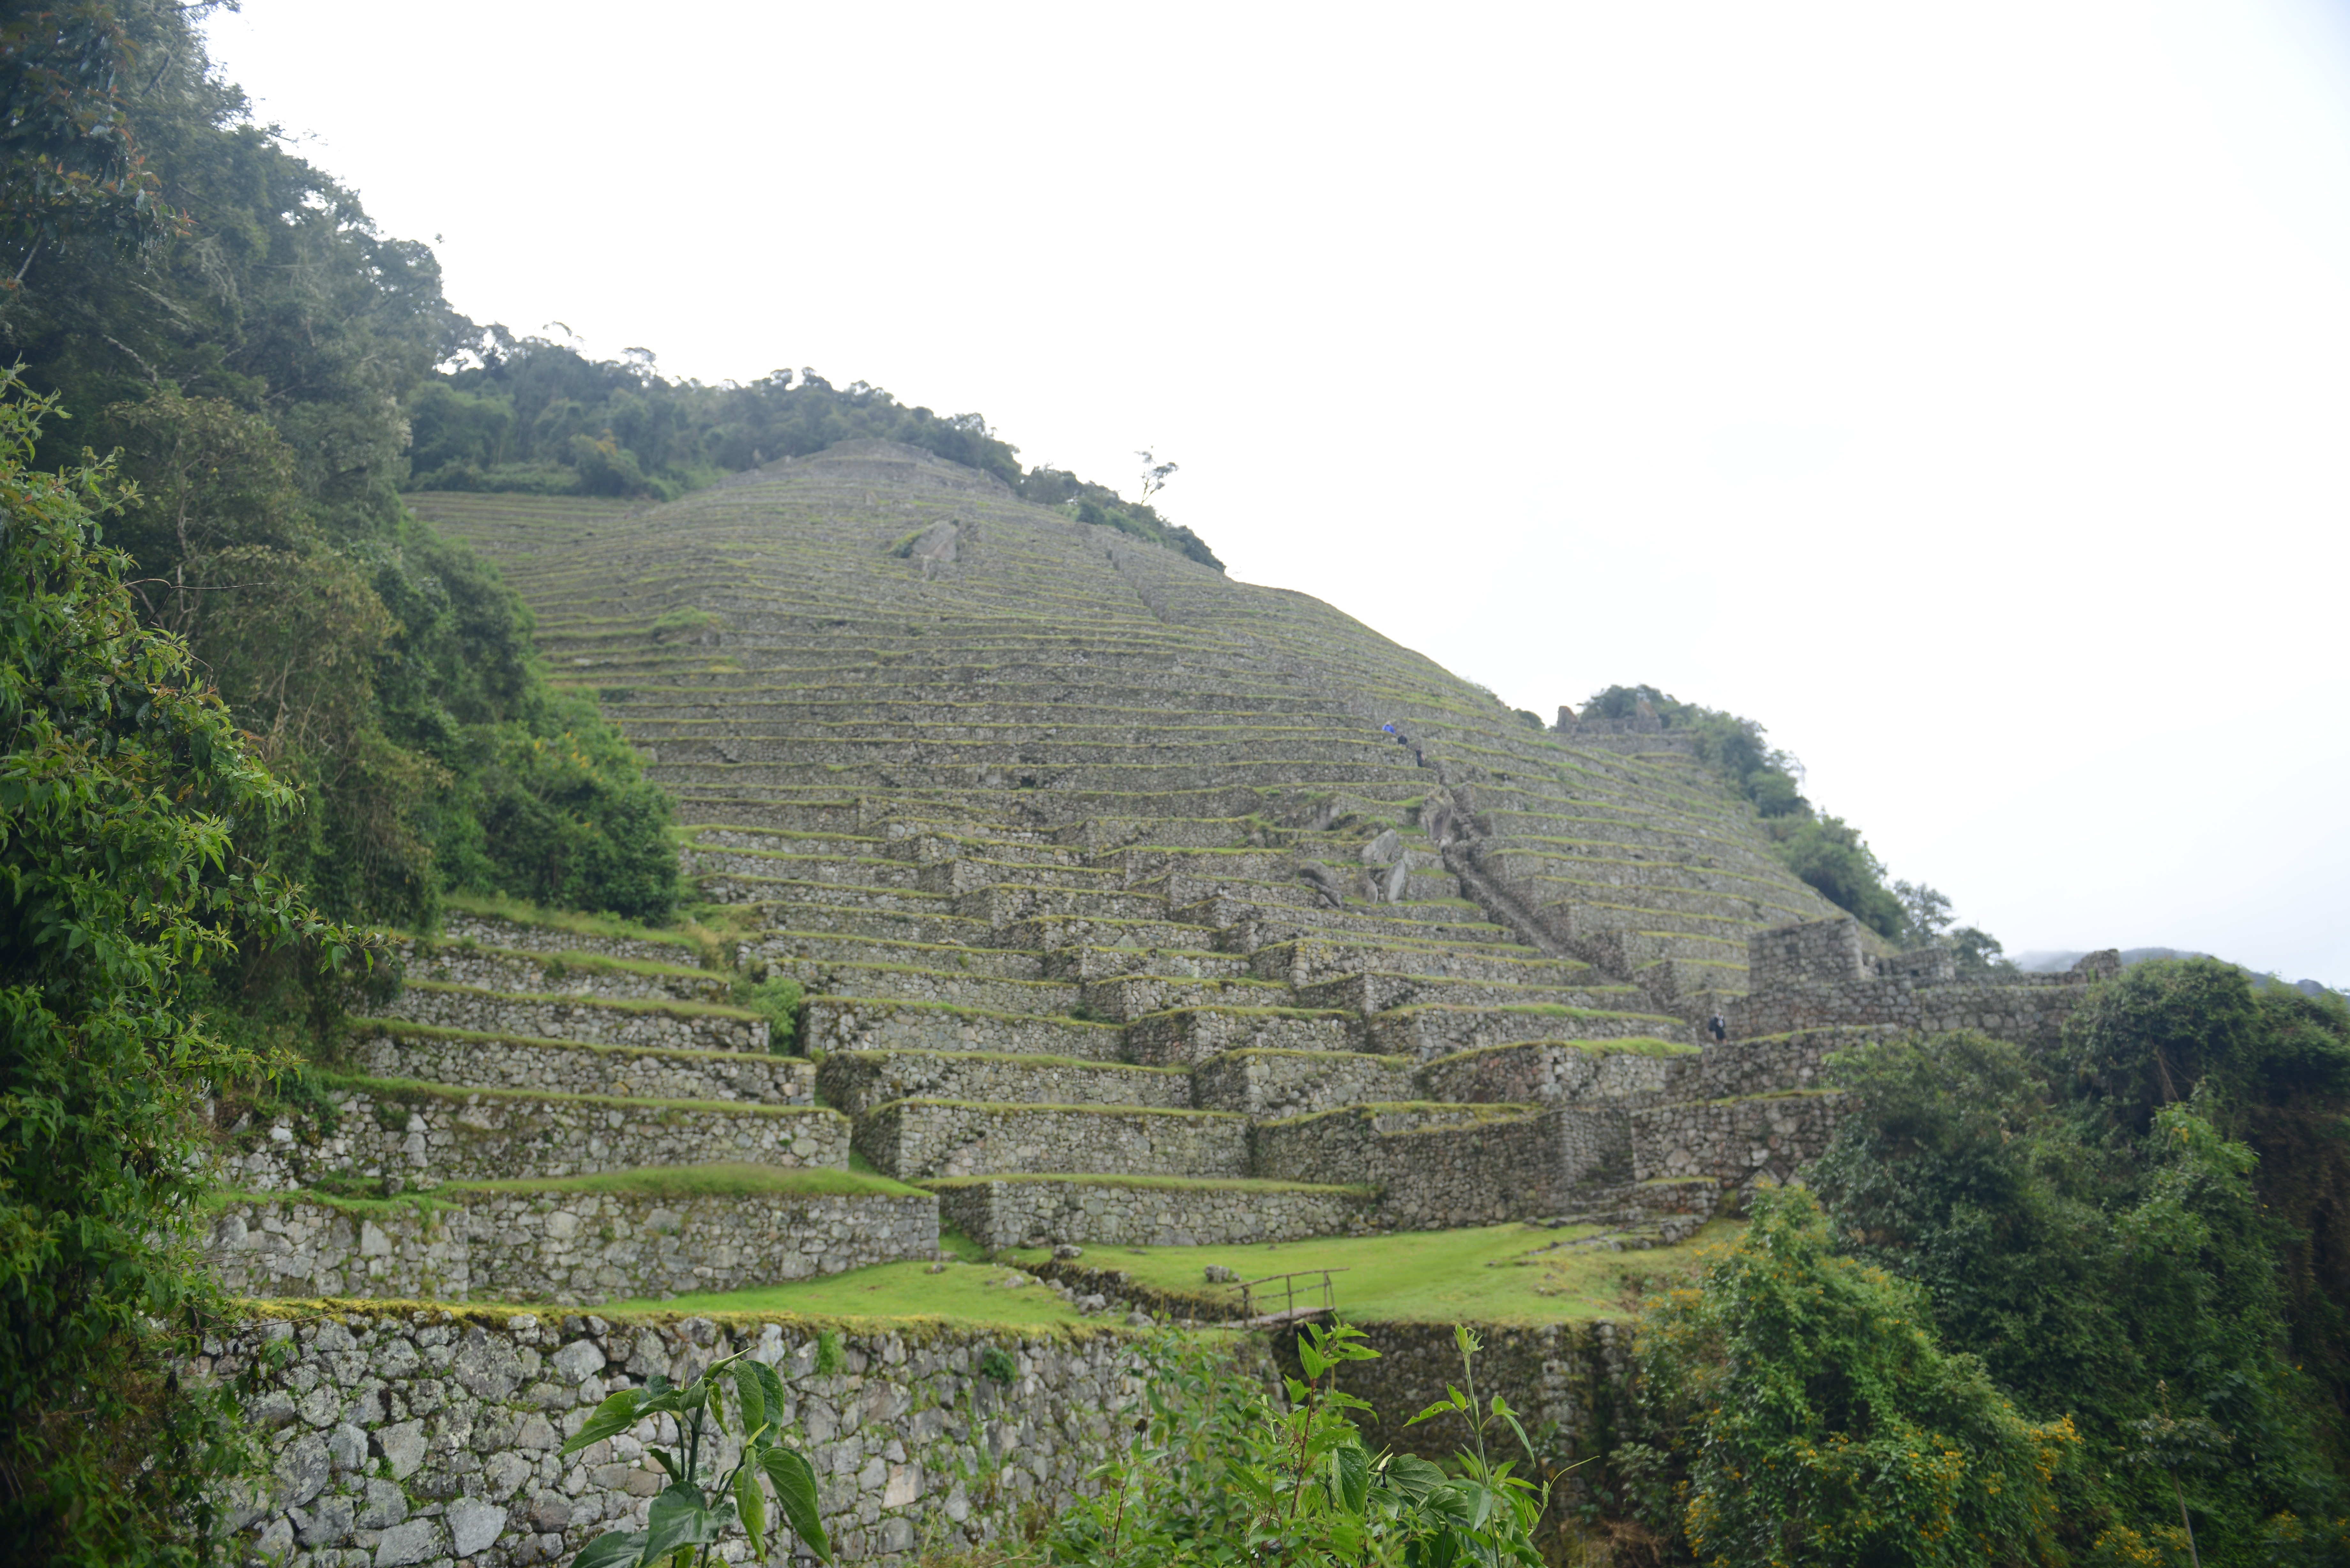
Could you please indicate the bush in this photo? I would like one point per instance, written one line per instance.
(120, 785)
(1816, 1419)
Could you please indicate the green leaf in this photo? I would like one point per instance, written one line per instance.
(1353, 1467)
(613, 1551)
(679, 1518)
(1442, 1408)
(794, 1485)
(1414, 1477)
(661, 1457)
(752, 1503)
(772, 1388)
(753, 1396)
(617, 1413)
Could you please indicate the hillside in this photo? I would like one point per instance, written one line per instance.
(1110, 882)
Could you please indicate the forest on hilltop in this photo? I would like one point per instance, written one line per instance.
(2051, 1308)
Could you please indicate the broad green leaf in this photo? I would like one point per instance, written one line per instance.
(772, 1388)
(1442, 1408)
(1353, 1468)
(613, 1551)
(1414, 1477)
(679, 1518)
(753, 1503)
(795, 1495)
(617, 1413)
(753, 1396)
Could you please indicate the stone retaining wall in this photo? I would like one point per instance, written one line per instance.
(1012, 1212)
(629, 1071)
(514, 972)
(1297, 1083)
(491, 932)
(2027, 1015)
(1436, 1167)
(423, 1437)
(562, 1247)
(1551, 1070)
(848, 1024)
(917, 1140)
(680, 1027)
(1817, 975)
(857, 1081)
(1734, 1142)
(1180, 1038)
(1571, 1378)
(415, 1139)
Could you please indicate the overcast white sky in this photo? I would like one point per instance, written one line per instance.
(1962, 391)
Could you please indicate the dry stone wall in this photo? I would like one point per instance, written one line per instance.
(679, 1025)
(583, 1067)
(1817, 975)
(415, 1137)
(403, 1437)
(1019, 1211)
(565, 1248)
(914, 1139)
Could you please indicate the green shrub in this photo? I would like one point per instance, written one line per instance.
(1816, 1419)
(121, 781)
(778, 999)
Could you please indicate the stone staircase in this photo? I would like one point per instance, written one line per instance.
(1130, 903)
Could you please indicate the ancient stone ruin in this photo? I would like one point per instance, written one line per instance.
(1132, 905)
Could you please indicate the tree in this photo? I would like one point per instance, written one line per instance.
(126, 798)
(1820, 1420)
(1924, 915)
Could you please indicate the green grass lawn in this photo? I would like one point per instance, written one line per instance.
(1494, 1274)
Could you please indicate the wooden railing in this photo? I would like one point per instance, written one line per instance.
(1289, 1310)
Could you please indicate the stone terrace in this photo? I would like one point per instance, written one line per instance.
(1097, 866)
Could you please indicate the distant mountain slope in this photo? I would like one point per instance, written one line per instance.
(2048, 962)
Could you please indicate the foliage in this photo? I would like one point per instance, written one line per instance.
(525, 414)
(692, 1511)
(1221, 1472)
(1825, 851)
(69, 165)
(126, 801)
(1817, 1419)
(779, 997)
(2107, 1252)
(250, 359)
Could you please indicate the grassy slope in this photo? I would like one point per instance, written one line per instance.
(1490, 1274)
(1487, 1274)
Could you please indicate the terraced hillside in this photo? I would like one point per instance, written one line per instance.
(1130, 900)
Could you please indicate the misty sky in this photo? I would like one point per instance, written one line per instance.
(1960, 391)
